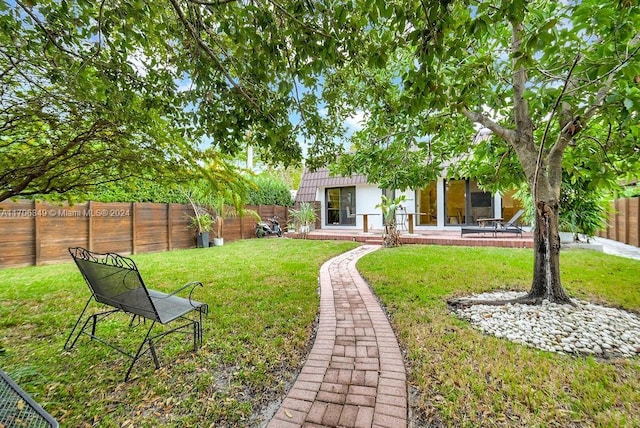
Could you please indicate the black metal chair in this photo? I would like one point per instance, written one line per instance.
(18, 409)
(115, 281)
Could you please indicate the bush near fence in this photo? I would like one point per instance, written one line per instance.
(623, 224)
(35, 233)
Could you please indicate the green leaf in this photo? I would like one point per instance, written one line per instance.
(628, 103)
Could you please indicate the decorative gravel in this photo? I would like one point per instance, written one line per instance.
(586, 329)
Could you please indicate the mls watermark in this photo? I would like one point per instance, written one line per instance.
(65, 212)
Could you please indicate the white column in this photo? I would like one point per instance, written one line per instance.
(440, 197)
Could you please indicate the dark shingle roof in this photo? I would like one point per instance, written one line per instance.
(312, 180)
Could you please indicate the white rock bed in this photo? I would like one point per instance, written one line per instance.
(586, 329)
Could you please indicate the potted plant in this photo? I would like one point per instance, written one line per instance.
(219, 211)
(202, 222)
(304, 217)
(567, 230)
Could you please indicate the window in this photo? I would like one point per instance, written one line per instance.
(428, 205)
(341, 206)
(455, 202)
(510, 205)
(465, 202)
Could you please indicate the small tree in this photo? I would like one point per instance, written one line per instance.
(389, 207)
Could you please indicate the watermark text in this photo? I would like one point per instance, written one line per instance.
(65, 212)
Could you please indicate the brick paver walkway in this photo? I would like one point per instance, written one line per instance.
(355, 375)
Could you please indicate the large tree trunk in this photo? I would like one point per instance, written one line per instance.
(546, 271)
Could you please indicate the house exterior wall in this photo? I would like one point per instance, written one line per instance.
(368, 196)
(314, 187)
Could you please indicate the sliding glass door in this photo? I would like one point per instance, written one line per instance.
(341, 206)
(465, 202)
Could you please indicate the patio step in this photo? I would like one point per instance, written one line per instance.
(436, 237)
(374, 241)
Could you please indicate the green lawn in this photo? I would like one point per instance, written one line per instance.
(464, 378)
(263, 300)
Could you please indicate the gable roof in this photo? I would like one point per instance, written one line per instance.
(312, 180)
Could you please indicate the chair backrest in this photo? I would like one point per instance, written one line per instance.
(513, 219)
(114, 280)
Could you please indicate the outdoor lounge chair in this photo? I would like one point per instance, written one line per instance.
(511, 226)
(115, 282)
(496, 227)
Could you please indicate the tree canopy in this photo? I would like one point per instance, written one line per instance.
(556, 85)
(94, 92)
(443, 70)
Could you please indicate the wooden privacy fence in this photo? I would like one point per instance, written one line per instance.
(34, 233)
(623, 223)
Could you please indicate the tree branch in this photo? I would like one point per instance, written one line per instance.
(48, 33)
(192, 31)
(557, 151)
(296, 20)
(524, 125)
(212, 3)
(507, 135)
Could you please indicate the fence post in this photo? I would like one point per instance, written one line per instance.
(36, 232)
(169, 227)
(636, 239)
(133, 227)
(90, 231)
(626, 220)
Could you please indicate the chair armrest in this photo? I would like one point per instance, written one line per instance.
(192, 285)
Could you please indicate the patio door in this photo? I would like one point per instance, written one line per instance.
(341, 206)
(465, 202)
(427, 205)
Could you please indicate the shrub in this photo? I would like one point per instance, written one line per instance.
(269, 191)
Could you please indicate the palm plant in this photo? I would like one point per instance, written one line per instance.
(389, 206)
(304, 217)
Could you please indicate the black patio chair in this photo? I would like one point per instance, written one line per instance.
(511, 226)
(115, 282)
(19, 409)
(496, 227)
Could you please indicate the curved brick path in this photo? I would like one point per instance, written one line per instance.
(355, 375)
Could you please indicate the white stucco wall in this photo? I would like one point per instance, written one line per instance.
(368, 196)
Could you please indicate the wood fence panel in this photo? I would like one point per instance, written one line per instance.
(111, 230)
(623, 224)
(621, 217)
(36, 233)
(17, 233)
(610, 231)
(231, 230)
(632, 208)
(151, 227)
(181, 235)
(60, 227)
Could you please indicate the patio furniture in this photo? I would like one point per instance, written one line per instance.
(365, 221)
(116, 283)
(511, 226)
(18, 409)
(494, 226)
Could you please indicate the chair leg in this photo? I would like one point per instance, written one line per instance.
(196, 335)
(152, 348)
(93, 326)
(140, 352)
(66, 344)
